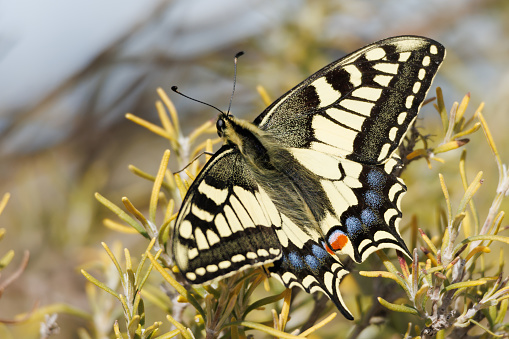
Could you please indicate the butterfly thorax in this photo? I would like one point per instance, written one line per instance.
(291, 187)
(247, 138)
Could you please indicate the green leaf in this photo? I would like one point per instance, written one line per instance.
(397, 308)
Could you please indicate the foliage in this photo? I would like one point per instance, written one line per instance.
(449, 287)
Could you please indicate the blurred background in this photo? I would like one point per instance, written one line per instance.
(69, 71)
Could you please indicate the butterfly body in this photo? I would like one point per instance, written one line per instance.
(311, 177)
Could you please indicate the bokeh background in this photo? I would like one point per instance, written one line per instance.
(69, 71)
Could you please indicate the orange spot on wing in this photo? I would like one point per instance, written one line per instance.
(338, 241)
(331, 252)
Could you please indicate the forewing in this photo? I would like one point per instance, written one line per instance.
(226, 222)
(360, 106)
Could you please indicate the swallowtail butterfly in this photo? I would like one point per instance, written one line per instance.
(312, 176)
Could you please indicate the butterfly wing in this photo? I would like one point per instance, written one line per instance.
(312, 268)
(359, 208)
(358, 107)
(226, 222)
(344, 123)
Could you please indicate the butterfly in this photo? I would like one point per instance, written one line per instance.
(312, 177)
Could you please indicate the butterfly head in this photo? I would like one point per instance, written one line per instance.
(221, 124)
(228, 128)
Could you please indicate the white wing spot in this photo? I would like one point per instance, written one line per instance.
(433, 49)
(426, 60)
(384, 152)
(383, 235)
(382, 80)
(375, 54)
(201, 241)
(401, 117)
(262, 252)
(417, 87)
(391, 212)
(326, 93)
(393, 133)
(422, 74)
(217, 195)
(387, 67)
(224, 264)
(201, 271)
(287, 277)
(357, 106)
(404, 56)
(238, 258)
(251, 255)
(212, 268)
(186, 229)
(400, 198)
(390, 165)
(355, 75)
(392, 192)
(328, 278)
(368, 93)
(192, 253)
(409, 101)
(212, 237)
(352, 182)
(190, 276)
(308, 280)
(274, 251)
(364, 243)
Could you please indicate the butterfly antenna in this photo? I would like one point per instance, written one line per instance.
(234, 78)
(175, 89)
(195, 158)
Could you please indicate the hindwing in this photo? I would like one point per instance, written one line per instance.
(362, 212)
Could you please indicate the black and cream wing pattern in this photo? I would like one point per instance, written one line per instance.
(312, 176)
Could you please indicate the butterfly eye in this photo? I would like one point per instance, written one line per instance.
(220, 125)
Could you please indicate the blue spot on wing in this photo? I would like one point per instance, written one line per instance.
(353, 225)
(373, 199)
(312, 263)
(319, 252)
(368, 217)
(376, 179)
(295, 261)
